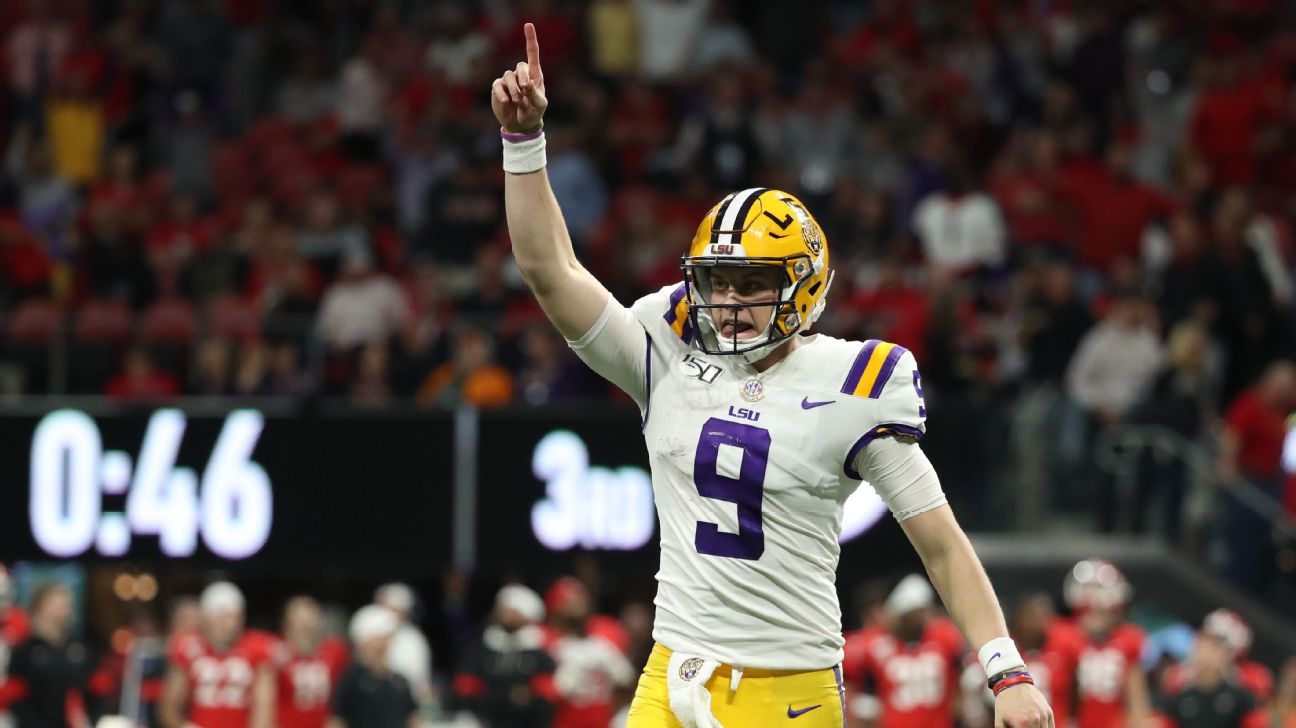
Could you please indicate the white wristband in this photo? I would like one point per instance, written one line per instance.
(998, 655)
(523, 153)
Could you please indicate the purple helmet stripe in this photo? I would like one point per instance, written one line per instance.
(888, 366)
(857, 369)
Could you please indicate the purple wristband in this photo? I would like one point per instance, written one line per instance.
(509, 136)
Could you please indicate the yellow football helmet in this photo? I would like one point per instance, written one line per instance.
(757, 227)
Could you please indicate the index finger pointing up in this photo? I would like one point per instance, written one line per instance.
(533, 48)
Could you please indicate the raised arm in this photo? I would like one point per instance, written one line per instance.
(570, 295)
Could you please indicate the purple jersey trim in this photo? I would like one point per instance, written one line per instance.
(849, 466)
(857, 369)
(888, 366)
(516, 138)
(647, 380)
(676, 296)
(841, 691)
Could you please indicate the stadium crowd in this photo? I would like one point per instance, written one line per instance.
(1076, 215)
(536, 662)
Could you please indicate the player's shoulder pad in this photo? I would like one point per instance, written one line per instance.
(666, 310)
(887, 374)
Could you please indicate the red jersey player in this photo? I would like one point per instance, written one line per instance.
(221, 676)
(1110, 685)
(14, 628)
(1235, 633)
(912, 665)
(309, 666)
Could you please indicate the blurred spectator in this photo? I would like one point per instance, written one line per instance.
(589, 652)
(47, 202)
(115, 261)
(960, 229)
(1114, 209)
(1054, 321)
(33, 53)
(466, 209)
(1227, 114)
(371, 383)
(458, 47)
(576, 183)
(668, 33)
(369, 694)
(549, 373)
(284, 376)
(506, 680)
(325, 239)
(1180, 400)
(1210, 699)
(613, 37)
(470, 377)
(409, 654)
(195, 40)
(25, 266)
(362, 307)
(190, 147)
(1112, 368)
(1255, 428)
(489, 295)
(175, 239)
(362, 94)
(726, 42)
(140, 380)
(307, 94)
(53, 668)
(719, 139)
(1234, 635)
(1027, 189)
(281, 281)
(212, 374)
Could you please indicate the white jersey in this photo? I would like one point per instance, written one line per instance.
(750, 471)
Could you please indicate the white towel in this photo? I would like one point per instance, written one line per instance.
(686, 679)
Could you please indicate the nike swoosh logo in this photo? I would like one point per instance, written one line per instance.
(993, 657)
(803, 711)
(807, 404)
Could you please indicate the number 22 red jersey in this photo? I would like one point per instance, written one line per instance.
(915, 682)
(306, 683)
(220, 683)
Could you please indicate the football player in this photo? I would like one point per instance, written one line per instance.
(220, 676)
(912, 668)
(14, 628)
(1110, 686)
(757, 433)
(309, 666)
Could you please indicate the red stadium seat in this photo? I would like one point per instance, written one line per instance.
(169, 321)
(35, 321)
(103, 321)
(233, 317)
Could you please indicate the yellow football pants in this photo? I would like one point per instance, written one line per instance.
(794, 699)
